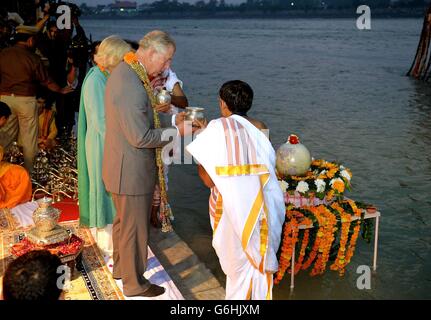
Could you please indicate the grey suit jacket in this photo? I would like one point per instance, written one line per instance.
(129, 165)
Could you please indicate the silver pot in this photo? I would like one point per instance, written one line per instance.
(163, 97)
(45, 217)
(193, 113)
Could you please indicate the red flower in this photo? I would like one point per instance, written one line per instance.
(293, 139)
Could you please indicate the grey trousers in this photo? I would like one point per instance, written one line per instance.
(22, 126)
(130, 240)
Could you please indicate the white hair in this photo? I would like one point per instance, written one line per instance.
(158, 40)
(111, 51)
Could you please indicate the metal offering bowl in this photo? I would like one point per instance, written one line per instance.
(193, 113)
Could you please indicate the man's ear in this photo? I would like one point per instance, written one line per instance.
(224, 109)
(150, 54)
(223, 105)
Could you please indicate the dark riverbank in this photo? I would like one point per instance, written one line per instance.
(269, 14)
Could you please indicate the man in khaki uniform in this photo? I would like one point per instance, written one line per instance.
(21, 70)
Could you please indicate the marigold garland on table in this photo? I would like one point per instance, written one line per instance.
(352, 245)
(304, 244)
(288, 242)
(340, 262)
(319, 226)
(325, 220)
(328, 220)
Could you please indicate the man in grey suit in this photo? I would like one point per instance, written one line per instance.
(129, 165)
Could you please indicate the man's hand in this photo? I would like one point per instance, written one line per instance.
(200, 124)
(181, 124)
(179, 118)
(165, 107)
(66, 90)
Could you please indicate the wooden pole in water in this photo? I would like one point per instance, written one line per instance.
(376, 238)
(421, 63)
(292, 276)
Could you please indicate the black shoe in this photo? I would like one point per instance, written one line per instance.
(152, 291)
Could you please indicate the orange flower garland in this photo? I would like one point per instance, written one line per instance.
(130, 57)
(357, 228)
(340, 262)
(317, 240)
(328, 220)
(320, 223)
(304, 244)
(289, 241)
(301, 219)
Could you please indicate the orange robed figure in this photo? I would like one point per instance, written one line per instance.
(15, 184)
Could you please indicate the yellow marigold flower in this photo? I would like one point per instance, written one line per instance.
(330, 165)
(330, 194)
(339, 186)
(332, 172)
(317, 162)
(130, 57)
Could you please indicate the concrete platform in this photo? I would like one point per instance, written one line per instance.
(189, 274)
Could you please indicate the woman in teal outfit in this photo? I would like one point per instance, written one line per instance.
(96, 208)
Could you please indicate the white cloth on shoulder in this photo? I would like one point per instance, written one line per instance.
(246, 205)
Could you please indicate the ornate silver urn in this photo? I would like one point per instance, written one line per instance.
(45, 218)
(163, 97)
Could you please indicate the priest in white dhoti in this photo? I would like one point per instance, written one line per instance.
(246, 205)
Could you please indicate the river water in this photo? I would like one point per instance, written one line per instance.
(344, 93)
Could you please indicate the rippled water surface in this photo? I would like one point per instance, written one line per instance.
(343, 91)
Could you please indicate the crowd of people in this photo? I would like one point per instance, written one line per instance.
(113, 85)
(40, 61)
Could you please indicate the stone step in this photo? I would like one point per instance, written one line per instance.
(192, 278)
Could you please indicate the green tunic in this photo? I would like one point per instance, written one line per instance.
(96, 207)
